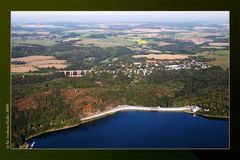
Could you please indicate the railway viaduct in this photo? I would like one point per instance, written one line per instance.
(75, 73)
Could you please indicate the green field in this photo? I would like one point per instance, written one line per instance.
(109, 41)
(221, 58)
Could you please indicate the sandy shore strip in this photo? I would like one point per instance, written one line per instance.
(140, 108)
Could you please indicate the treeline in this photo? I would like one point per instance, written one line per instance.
(169, 40)
(71, 35)
(29, 50)
(97, 36)
(177, 46)
(30, 79)
(180, 47)
(18, 62)
(217, 39)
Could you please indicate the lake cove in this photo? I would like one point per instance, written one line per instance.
(141, 129)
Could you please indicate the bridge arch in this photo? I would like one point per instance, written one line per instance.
(67, 73)
(75, 73)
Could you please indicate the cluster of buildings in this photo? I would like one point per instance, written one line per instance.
(171, 64)
(149, 66)
(187, 65)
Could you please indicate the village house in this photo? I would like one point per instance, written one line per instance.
(151, 61)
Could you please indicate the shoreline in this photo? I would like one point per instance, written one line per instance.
(186, 109)
(190, 109)
(212, 116)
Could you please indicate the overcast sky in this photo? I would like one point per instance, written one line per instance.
(122, 16)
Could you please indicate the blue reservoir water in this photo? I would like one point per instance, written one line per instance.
(134, 129)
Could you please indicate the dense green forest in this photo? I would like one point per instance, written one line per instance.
(48, 94)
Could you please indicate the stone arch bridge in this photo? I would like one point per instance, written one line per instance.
(75, 73)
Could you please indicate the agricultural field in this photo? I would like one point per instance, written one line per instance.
(217, 58)
(161, 56)
(221, 58)
(105, 42)
(140, 41)
(33, 63)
